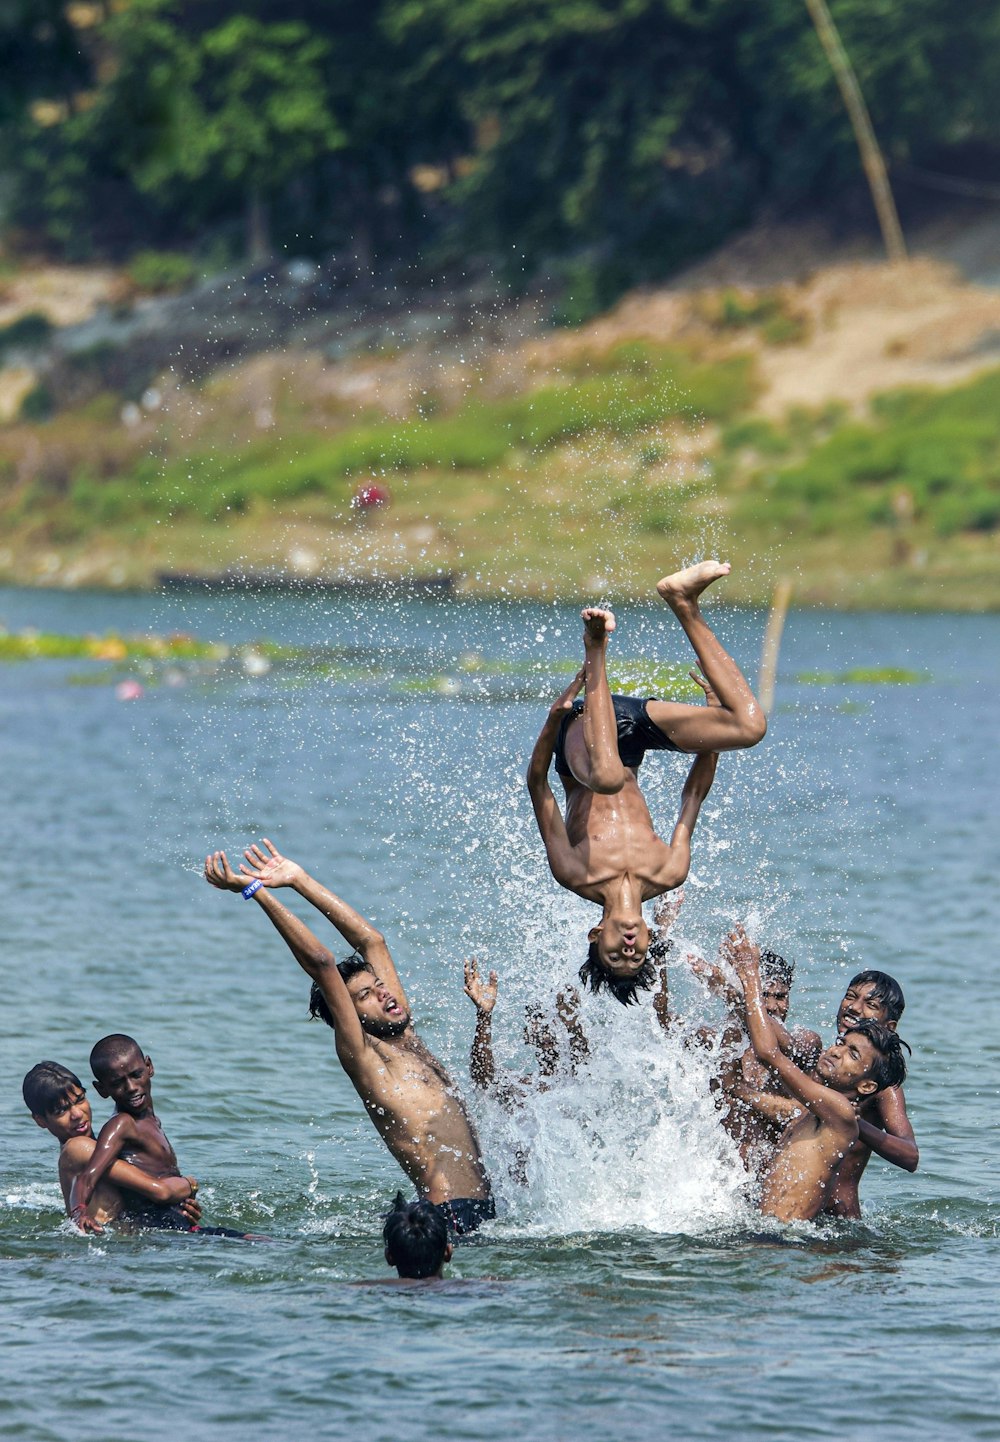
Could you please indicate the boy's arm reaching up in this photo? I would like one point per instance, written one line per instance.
(829, 1106)
(276, 870)
(483, 995)
(564, 863)
(316, 960)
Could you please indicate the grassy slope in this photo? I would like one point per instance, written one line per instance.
(595, 481)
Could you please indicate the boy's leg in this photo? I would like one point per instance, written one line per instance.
(737, 721)
(592, 739)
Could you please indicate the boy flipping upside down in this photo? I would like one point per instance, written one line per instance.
(865, 1060)
(605, 849)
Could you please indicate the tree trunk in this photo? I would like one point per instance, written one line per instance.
(258, 237)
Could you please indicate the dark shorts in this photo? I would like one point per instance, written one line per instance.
(467, 1214)
(172, 1219)
(636, 733)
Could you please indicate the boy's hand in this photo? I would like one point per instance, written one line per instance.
(740, 952)
(661, 1000)
(274, 869)
(568, 1007)
(666, 909)
(482, 994)
(715, 979)
(85, 1224)
(564, 703)
(220, 874)
(710, 697)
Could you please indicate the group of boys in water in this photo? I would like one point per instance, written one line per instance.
(806, 1119)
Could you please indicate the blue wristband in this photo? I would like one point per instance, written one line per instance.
(250, 890)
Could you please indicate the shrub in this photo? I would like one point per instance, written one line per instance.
(160, 271)
(26, 333)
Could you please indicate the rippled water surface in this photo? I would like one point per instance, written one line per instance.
(627, 1290)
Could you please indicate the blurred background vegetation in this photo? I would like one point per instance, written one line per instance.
(585, 146)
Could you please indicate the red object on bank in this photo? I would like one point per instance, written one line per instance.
(369, 496)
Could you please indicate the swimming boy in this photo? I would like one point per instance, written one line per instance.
(538, 1032)
(416, 1241)
(56, 1098)
(605, 849)
(413, 1103)
(863, 1061)
(123, 1073)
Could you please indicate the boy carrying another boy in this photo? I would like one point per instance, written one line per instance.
(58, 1102)
(865, 1060)
(123, 1073)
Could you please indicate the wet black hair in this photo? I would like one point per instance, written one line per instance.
(890, 1066)
(416, 1236)
(887, 990)
(46, 1085)
(350, 966)
(776, 967)
(109, 1049)
(596, 977)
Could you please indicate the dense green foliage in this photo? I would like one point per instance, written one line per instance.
(620, 134)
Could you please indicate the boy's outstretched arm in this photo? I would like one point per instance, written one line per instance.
(112, 1137)
(830, 1106)
(315, 959)
(564, 863)
(483, 995)
(276, 870)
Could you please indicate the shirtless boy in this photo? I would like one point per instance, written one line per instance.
(58, 1102)
(862, 1062)
(413, 1103)
(605, 849)
(883, 1124)
(123, 1073)
(538, 1032)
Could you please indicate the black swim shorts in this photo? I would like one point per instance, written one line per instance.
(172, 1219)
(636, 733)
(467, 1214)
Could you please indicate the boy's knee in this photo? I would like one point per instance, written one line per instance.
(607, 780)
(753, 727)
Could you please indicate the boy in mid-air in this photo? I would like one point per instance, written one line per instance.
(863, 1061)
(605, 849)
(58, 1102)
(134, 1134)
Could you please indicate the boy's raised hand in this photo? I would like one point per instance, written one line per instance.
(666, 909)
(482, 994)
(564, 703)
(220, 874)
(740, 952)
(272, 869)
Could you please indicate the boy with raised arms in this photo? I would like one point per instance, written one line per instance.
(605, 848)
(56, 1098)
(413, 1103)
(863, 1061)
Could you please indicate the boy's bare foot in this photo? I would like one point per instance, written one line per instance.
(684, 587)
(597, 625)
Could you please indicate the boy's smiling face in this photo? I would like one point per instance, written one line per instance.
(70, 1117)
(862, 1004)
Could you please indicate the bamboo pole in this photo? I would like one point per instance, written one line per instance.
(857, 110)
(772, 644)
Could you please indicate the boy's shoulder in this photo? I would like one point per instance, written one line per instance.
(74, 1154)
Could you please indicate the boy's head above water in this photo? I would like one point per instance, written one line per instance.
(776, 976)
(871, 996)
(378, 1010)
(122, 1072)
(865, 1059)
(416, 1239)
(56, 1099)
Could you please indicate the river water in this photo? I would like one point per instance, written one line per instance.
(627, 1289)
